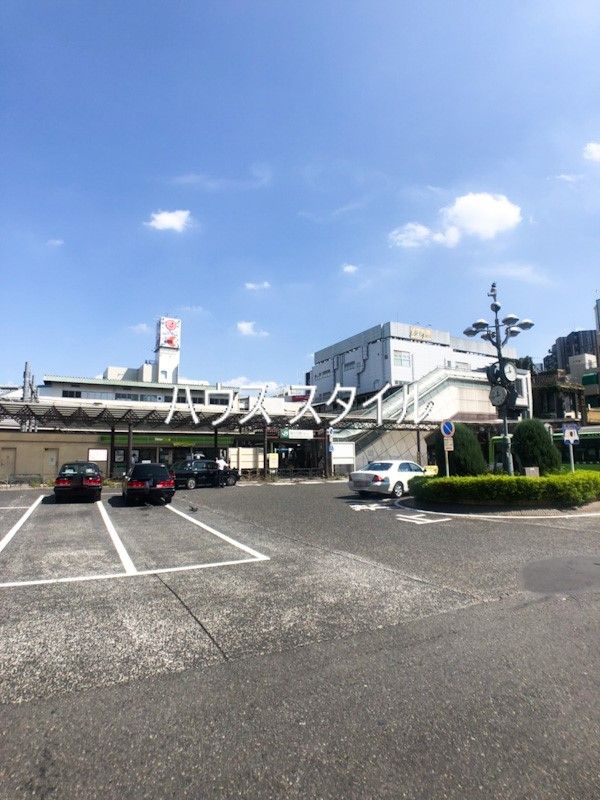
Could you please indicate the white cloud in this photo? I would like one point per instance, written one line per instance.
(413, 234)
(479, 214)
(170, 220)
(255, 287)
(141, 327)
(250, 329)
(349, 269)
(260, 175)
(482, 214)
(517, 271)
(591, 152)
(450, 237)
(55, 242)
(568, 177)
(192, 310)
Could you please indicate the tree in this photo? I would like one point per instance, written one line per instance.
(533, 447)
(466, 458)
(525, 363)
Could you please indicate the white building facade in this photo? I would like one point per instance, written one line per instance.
(398, 354)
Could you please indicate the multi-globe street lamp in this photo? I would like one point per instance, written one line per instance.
(502, 376)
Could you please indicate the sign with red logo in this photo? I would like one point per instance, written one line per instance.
(168, 333)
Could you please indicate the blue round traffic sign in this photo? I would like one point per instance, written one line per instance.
(447, 428)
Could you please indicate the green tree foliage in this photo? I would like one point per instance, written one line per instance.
(526, 362)
(533, 447)
(466, 458)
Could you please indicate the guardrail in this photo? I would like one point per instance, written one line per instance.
(284, 473)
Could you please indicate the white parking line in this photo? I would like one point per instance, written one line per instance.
(119, 547)
(12, 508)
(257, 556)
(420, 519)
(21, 522)
(129, 566)
(136, 574)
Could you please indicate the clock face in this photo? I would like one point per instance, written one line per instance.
(498, 395)
(510, 372)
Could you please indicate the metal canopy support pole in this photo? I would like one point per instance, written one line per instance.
(265, 453)
(216, 441)
(111, 457)
(129, 447)
(326, 451)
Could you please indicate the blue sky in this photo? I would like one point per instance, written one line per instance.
(284, 174)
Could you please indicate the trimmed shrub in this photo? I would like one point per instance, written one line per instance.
(573, 489)
(533, 447)
(466, 458)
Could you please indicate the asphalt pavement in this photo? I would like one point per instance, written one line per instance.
(295, 641)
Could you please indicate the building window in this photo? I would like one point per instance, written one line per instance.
(401, 358)
(71, 393)
(350, 365)
(465, 366)
(123, 396)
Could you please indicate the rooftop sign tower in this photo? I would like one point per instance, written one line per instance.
(168, 343)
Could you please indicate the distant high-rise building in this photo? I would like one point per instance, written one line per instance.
(576, 343)
(597, 313)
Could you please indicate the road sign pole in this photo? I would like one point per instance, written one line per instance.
(571, 459)
(447, 463)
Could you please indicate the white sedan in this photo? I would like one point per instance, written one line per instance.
(385, 477)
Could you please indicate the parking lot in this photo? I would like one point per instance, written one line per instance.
(295, 641)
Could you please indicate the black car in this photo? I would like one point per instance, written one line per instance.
(202, 472)
(78, 479)
(148, 482)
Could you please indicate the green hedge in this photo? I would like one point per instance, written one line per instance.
(574, 489)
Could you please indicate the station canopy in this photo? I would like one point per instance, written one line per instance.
(56, 413)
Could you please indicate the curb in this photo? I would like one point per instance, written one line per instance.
(491, 515)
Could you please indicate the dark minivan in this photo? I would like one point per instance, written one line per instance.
(148, 482)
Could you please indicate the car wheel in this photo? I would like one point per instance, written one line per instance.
(398, 489)
(231, 480)
(191, 483)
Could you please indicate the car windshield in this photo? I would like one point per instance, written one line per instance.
(78, 469)
(378, 466)
(182, 465)
(145, 471)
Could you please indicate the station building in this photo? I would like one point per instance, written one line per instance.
(396, 353)
(123, 416)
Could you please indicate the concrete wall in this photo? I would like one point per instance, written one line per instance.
(41, 454)
(390, 444)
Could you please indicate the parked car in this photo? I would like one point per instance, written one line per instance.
(147, 481)
(202, 472)
(385, 477)
(78, 479)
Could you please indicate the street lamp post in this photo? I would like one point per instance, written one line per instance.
(502, 378)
